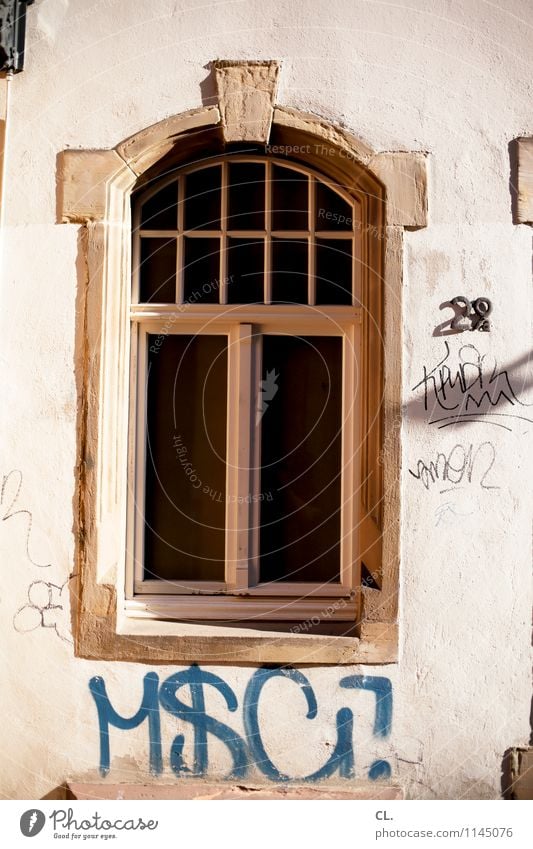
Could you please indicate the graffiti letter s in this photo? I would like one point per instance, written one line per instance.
(202, 723)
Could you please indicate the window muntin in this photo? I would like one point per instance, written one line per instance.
(256, 286)
(306, 221)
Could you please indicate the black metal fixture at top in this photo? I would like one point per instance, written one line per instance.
(12, 34)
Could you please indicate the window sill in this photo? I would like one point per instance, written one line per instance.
(150, 641)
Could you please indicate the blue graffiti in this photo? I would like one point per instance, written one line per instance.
(342, 757)
(382, 687)
(107, 716)
(250, 714)
(379, 769)
(250, 750)
(202, 723)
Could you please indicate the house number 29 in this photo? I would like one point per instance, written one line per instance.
(476, 312)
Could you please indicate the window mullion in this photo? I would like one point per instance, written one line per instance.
(138, 448)
(358, 259)
(255, 464)
(311, 245)
(180, 247)
(351, 440)
(224, 236)
(136, 257)
(238, 457)
(268, 226)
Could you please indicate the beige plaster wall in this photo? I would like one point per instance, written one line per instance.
(449, 78)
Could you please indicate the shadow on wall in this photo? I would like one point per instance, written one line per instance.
(506, 779)
(208, 87)
(59, 792)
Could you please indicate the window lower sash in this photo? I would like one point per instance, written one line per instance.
(280, 589)
(238, 609)
(188, 599)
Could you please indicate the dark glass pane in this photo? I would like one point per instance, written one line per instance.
(301, 459)
(332, 211)
(201, 271)
(185, 458)
(246, 264)
(334, 271)
(290, 199)
(202, 199)
(246, 196)
(161, 211)
(289, 271)
(158, 271)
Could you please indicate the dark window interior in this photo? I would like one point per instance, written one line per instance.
(290, 199)
(201, 270)
(246, 271)
(161, 211)
(301, 459)
(158, 270)
(334, 271)
(202, 199)
(184, 536)
(332, 211)
(246, 204)
(289, 271)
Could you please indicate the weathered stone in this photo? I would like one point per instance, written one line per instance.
(404, 175)
(353, 148)
(83, 176)
(246, 92)
(524, 203)
(143, 149)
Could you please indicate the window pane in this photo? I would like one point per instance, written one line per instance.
(158, 271)
(289, 271)
(202, 199)
(246, 196)
(290, 199)
(201, 271)
(185, 458)
(161, 211)
(301, 417)
(334, 271)
(246, 264)
(332, 211)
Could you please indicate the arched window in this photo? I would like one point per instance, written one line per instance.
(249, 464)
(240, 402)
(239, 431)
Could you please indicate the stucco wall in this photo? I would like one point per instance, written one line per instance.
(449, 78)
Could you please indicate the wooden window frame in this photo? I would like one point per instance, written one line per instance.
(243, 324)
(94, 189)
(295, 600)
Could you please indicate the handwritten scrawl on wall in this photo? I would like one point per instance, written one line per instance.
(466, 388)
(248, 751)
(46, 601)
(472, 390)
